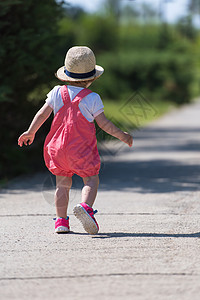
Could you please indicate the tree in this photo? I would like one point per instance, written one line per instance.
(27, 59)
(186, 28)
(185, 24)
(113, 8)
(28, 31)
(130, 14)
(194, 6)
(148, 13)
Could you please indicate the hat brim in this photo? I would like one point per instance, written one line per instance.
(60, 74)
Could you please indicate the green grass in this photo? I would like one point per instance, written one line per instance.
(136, 112)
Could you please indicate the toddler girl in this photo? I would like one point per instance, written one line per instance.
(71, 145)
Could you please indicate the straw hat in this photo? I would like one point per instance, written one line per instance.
(80, 65)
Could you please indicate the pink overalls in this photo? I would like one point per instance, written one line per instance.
(71, 145)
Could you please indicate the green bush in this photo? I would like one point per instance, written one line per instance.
(162, 74)
(27, 59)
(98, 32)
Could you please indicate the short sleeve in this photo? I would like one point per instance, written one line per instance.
(97, 105)
(91, 106)
(54, 99)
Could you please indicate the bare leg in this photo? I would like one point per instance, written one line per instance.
(89, 190)
(63, 185)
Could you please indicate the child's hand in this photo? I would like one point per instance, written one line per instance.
(26, 138)
(128, 139)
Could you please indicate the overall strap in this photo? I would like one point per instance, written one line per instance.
(65, 94)
(66, 98)
(82, 94)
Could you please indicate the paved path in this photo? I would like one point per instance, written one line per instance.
(149, 215)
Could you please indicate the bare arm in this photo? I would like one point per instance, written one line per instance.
(41, 116)
(111, 129)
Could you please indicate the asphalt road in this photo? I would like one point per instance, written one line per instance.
(149, 215)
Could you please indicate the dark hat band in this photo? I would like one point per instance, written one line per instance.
(80, 75)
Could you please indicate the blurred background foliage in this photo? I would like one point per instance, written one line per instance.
(137, 48)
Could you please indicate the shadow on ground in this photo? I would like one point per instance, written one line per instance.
(143, 235)
(153, 176)
(142, 176)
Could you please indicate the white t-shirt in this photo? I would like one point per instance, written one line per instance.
(90, 106)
